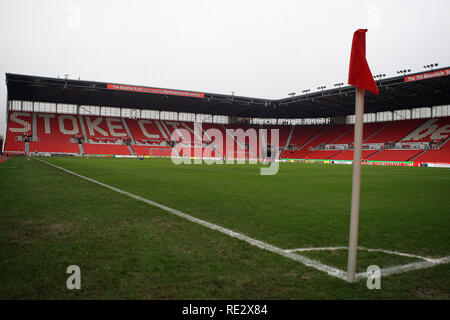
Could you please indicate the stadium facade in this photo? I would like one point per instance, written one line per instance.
(408, 123)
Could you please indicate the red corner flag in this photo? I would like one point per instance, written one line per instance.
(359, 74)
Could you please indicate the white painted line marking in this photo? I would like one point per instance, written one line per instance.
(260, 244)
(316, 249)
(288, 253)
(397, 253)
(428, 263)
(363, 249)
(407, 267)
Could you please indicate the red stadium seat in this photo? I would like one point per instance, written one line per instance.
(348, 155)
(58, 133)
(395, 131)
(107, 149)
(441, 155)
(54, 133)
(395, 155)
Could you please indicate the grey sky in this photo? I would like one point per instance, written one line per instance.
(256, 48)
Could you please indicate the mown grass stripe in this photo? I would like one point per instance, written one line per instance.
(260, 244)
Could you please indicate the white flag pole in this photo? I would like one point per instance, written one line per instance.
(356, 185)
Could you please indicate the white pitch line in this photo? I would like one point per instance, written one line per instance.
(407, 267)
(428, 263)
(363, 249)
(289, 253)
(260, 244)
(315, 249)
(398, 254)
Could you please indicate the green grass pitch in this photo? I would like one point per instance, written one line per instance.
(127, 249)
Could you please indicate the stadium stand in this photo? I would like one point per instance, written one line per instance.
(54, 133)
(160, 151)
(395, 155)
(283, 134)
(348, 155)
(322, 154)
(191, 141)
(18, 126)
(243, 148)
(101, 148)
(68, 116)
(435, 155)
(419, 140)
(104, 129)
(147, 131)
(369, 129)
(309, 138)
(395, 131)
(304, 134)
(327, 136)
(432, 129)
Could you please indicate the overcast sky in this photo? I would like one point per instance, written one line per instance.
(256, 48)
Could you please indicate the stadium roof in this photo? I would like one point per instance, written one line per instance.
(403, 92)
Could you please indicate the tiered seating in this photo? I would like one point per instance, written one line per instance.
(107, 149)
(19, 123)
(322, 154)
(303, 134)
(239, 150)
(290, 154)
(433, 129)
(333, 133)
(155, 151)
(54, 133)
(219, 142)
(348, 155)
(14, 145)
(187, 126)
(104, 129)
(395, 131)
(368, 129)
(177, 129)
(146, 131)
(193, 144)
(283, 134)
(395, 155)
(55, 137)
(196, 152)
(328, 135)
(438, 155)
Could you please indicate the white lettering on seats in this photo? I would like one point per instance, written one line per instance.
(112, 127)
(141, 124)
(93, 125)
(441, 133)
(175, 128)
(46, 117)
(63, 130)
(161, 129)
(423, 131)
(15, 118)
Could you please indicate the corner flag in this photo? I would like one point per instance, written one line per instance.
(360, 77)
(359, 73)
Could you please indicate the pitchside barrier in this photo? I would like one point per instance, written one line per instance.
(374, 163)
(159, 153)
